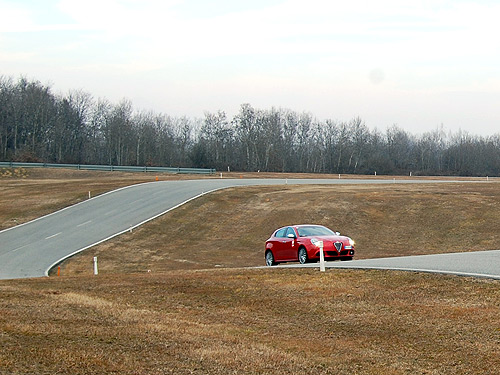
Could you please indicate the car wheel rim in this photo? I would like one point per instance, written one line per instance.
(302, 256)
(269, 259)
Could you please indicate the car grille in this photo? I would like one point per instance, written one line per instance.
(331, 254)
(338, 245)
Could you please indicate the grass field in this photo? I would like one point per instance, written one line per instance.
(235, 321)
(188, 316)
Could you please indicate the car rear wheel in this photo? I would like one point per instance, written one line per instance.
(270, 259)
(303, 256)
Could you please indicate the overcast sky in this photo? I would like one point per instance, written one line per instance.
(417, 64)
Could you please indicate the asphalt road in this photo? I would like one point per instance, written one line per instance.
(477, 264)
(31, 249)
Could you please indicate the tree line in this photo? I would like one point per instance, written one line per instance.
(38, 125)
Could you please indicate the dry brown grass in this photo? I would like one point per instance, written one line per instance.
(257, 321)
(229, 228)
(236, 321)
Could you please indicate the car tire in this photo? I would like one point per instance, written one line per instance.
(270, 259)
(345, 258)
(303, 259)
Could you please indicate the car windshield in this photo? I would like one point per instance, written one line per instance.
(315, 231)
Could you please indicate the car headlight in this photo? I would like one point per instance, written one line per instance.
(351, 242)
(315, 242)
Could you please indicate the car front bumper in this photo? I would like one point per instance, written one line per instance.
(333, 254)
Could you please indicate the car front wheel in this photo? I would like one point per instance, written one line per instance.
(270, 259)
(303, 255)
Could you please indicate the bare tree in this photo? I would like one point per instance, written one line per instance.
(36, 125)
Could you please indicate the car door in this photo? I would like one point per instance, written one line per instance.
(289, 244)
(279, 245)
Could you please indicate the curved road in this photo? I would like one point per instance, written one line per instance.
(476, 264)
(31, 249)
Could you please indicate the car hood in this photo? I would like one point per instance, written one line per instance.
(343, 239)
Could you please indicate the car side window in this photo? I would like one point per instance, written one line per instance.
(280, 233)
(290, 231)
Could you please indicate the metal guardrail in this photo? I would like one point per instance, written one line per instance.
(112, 168)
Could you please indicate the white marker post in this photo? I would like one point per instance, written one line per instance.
(321, 257)
(96, 272)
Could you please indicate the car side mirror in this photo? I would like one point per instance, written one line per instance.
(290, 235)
(337, 233)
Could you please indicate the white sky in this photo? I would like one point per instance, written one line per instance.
(417, 64)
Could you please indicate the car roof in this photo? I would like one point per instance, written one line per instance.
(301, 226)
(307, 225)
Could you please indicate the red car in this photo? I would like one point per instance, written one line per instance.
(301, 243)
